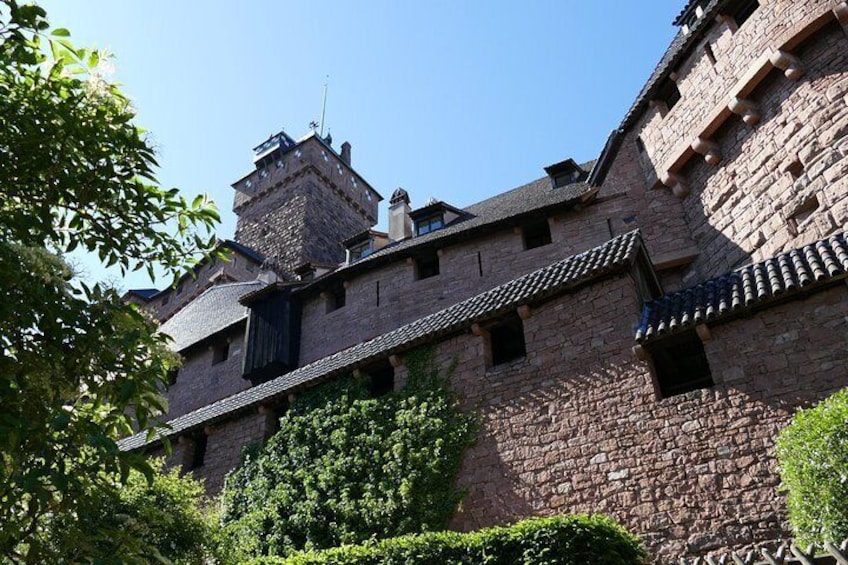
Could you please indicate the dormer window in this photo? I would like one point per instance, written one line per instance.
(430, 223)
(364, 244)
(434, 216)
(565, 173)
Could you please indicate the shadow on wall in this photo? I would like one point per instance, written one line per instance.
(772, 189)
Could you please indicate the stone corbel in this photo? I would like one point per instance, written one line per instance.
(641, 353)
(791, 65)
(703, 332)
(748, 110)
(524, 312)
(709, 149)
(395, 361)
(677, 183)
(478, 330)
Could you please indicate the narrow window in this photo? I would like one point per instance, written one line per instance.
(427, 266)
(179, 289)
(479, 264)
(708, 50)
(336, 298)
(199, 452)
(680, 364)
(378, 293)
(536, 234)
(640, 145)
(165, 299)
(220, 352)
(506, 341)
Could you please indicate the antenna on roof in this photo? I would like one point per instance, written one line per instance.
(324, 106)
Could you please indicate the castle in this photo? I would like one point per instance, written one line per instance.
(633, 331)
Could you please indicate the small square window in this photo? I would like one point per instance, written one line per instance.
(505, 341)
(669, 93)
(381, 379)
(220, 352)
(536, 234)
(336, 298)
(680, 364)
(427, 266)
(172, 377)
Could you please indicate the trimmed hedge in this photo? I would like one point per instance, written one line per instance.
(563, 540)
(813, 462)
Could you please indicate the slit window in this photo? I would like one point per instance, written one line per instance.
(536, 234)
(506, 341)
(220, 352)
(427, 266)
(680, 364)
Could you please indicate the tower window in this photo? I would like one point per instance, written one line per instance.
(680, 364)
(427, 266)
(505, 341)
(536, 234)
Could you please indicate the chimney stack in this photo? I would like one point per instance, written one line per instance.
(346, 153)
(400, 224)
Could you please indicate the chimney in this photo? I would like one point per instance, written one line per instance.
(346, 153)
(400, 224)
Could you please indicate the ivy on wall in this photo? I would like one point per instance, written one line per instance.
(345, 468)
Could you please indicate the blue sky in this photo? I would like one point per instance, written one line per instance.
(453, 100)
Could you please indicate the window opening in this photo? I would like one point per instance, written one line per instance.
(680, 364)
(336, 298)
(479, 264)
(506, 341)
(669, 93)
(381, 379)
(536, 234)
(199, 452)
(742, 10)
(427, 266)
(220, 352)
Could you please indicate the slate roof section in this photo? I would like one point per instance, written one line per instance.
(216, 309)
(144, 293)
(502, 209)
(244, 250)
(784, 276)
(614, 256)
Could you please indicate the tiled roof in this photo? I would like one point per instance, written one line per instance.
(245, 250)
(216, 309)
(612, 257)
(800, 270)
(677, 50)
(534, 196)
(143, 293)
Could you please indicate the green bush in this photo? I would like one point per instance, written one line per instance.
(564, 540)
(345, 468)
(813, 461)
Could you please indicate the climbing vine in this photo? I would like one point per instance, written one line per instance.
(345, 468)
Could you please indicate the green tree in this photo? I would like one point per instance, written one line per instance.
(78, 369)
(162, 519)
(813, 460)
